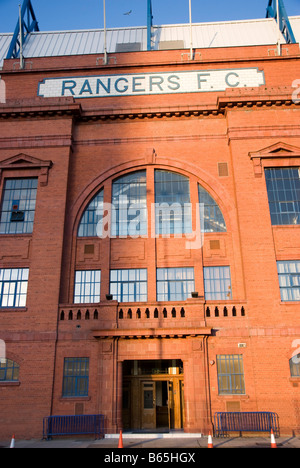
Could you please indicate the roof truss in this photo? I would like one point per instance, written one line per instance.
(28, 24)
(282, 19)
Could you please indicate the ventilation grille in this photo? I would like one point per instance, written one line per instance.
(233, 406)
(214, 245)
(89, 249)
(223, 169)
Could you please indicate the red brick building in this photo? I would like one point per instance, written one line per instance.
(150, 227)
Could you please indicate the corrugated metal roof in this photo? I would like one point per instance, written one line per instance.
(205, 35)
(5, 40)
(295, 23)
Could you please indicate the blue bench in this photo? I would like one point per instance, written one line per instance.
(227, 422)
(91, 424)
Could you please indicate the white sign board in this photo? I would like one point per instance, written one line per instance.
(200, 81)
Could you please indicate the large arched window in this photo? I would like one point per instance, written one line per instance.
(91, 221)
(173, 213)
(172, 203)
(211, 216)
(129, 203)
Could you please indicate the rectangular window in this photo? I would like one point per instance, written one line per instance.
(289, 280)
(87, 287)
(283, 186)
(13, 287)
(18, 206)
(129, 285)
(175, 284)
(76, 377)
(217, 283)
(230, 374)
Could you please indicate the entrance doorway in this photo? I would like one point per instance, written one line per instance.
(153, 396)
(155, 405)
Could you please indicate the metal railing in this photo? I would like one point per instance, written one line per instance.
(227, 422)
(91, 424)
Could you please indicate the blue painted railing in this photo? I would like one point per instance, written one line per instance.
(90, 424)
(264, 421)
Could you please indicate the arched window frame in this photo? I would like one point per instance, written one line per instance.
(175, 207)
(90, 224)
(211, 216)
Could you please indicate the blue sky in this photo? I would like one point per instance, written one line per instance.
(88, 14)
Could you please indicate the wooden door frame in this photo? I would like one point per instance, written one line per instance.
(177, 417)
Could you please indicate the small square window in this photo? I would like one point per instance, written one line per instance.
(13, 287)
(289, 280)
(129, 285)
(175, 284)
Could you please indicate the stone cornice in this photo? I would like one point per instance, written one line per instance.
(233, 98)
(39, 107)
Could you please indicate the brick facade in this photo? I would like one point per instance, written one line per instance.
(77, 146)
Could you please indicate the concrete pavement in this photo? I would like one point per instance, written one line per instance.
(156, 441)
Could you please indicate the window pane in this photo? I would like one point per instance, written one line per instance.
(18, 206)
(91, 220)
(283, 187)
(289, 280)
(87, 287)
(217, 283)
(230, 374)
(172, 199)
(129, 200)
(76, 377)
(13, 287)
(211, 217)
(174, 284)
(9, 370)
(129, 285)
(295, 366)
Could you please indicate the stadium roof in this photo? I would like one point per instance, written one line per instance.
(205, 35)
